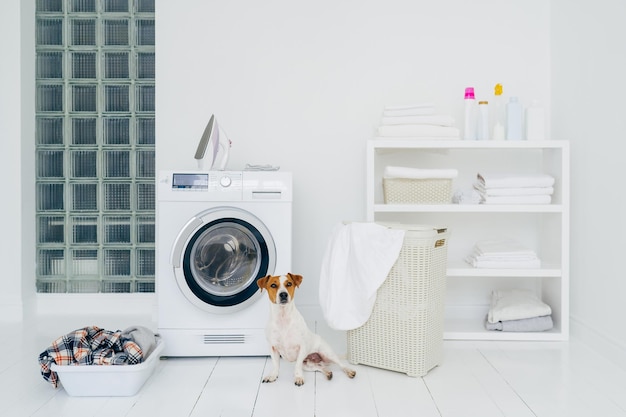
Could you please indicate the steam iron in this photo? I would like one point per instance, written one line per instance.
(216, 140)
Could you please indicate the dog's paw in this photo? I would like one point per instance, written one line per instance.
(299, 381)
(351, 373)
(270, 378)
(329, 375)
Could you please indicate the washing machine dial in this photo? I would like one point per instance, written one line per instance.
(225, 181)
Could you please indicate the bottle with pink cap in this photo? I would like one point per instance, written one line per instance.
(469, 132)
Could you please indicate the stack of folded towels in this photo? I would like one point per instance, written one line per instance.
(502, 253)
(515, 189)
(518, 310)
(417, 121)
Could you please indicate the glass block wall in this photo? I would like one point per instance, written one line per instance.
(95, 137)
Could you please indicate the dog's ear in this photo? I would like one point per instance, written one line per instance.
(262, 282)
(297, 279)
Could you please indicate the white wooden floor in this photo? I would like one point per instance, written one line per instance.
(481, 379)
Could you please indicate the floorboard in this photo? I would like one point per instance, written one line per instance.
(458, 389)
(232, 389)
(175, 389)
(282, 398)
(551, 381)
(397, 395)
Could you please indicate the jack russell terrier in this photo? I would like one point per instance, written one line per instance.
(289, 336)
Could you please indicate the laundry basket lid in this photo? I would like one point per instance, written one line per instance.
(421, 229)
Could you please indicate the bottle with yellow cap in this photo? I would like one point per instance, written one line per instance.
(498, 106)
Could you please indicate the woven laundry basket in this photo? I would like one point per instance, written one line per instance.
(405, 330)
(417, 191)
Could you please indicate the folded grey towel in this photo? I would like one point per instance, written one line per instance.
(533, 324)
(144, 337)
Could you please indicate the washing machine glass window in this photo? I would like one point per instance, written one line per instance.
(223, 260)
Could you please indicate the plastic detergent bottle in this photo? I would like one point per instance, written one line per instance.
(535, 122)
(498, 114)
(469, 132)
(482, 129)
(513, 119)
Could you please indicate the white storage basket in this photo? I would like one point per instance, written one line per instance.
(405, 330)
(417, 191)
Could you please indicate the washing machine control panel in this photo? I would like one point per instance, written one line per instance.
(188, 181)
(223, 186)
(201, 186)
(206, 181)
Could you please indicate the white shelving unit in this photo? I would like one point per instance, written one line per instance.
(545, 228)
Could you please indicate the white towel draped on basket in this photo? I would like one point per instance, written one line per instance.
(357, 260)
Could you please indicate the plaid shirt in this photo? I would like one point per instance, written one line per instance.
(89, 346)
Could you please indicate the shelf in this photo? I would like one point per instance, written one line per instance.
(472, 329)
(543, 227)
(468, 208)
(419, 143)
(468, 323)
(468, 271)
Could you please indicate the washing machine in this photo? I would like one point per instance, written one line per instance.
(217, 233)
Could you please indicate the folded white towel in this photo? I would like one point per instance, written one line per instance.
(517, 199)
(411, 110)
(533, 324)
(357, 260)
(435, 119)
(516, 304)
(505, 263)
(500, 257)
(418, 173)
(501, 246)
(429, 131)
(495, 180)
(423, 105)
(513, 190)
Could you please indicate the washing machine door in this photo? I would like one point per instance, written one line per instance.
(218, 257)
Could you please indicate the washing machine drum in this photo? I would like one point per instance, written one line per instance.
(225, 253)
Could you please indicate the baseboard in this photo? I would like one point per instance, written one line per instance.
(599, 342)
(114, 304)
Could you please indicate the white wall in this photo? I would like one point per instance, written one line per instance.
(302, 85)
(588, 92)
(17, 227)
